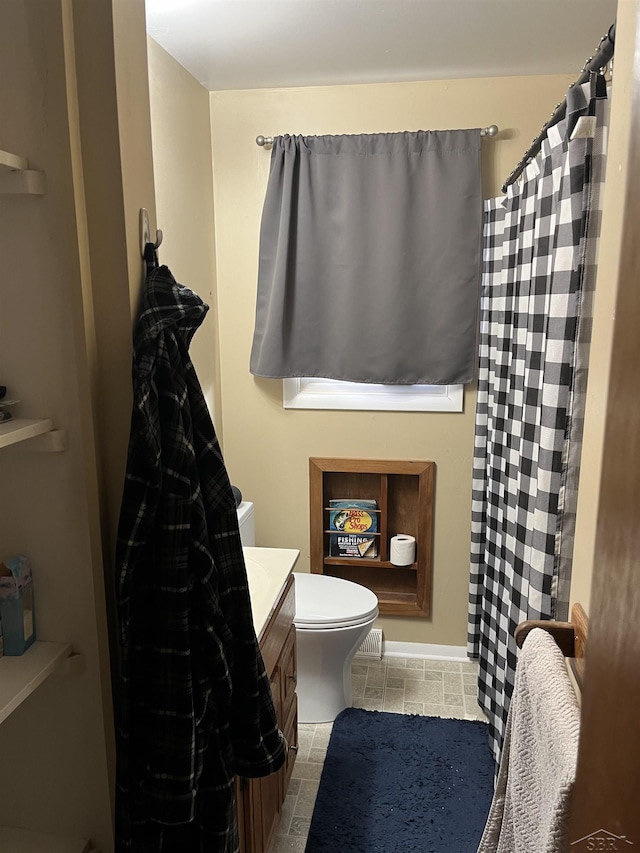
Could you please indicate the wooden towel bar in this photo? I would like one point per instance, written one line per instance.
(571, 637)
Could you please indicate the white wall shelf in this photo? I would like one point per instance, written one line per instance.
(17, 178)
(20, 676)
(13, 161)
(22, 841)
(53, 441)
(22, 429)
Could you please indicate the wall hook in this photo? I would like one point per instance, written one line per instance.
(145, 232)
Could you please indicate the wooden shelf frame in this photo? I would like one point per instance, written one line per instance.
(403, 490)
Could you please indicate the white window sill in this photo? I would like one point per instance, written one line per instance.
(309, 393)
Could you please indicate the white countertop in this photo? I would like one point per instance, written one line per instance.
(267, 572)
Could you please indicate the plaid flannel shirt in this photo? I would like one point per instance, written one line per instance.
(195, 705)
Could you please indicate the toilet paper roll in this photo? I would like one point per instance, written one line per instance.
(403, 549)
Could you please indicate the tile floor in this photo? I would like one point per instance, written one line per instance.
(399, 685)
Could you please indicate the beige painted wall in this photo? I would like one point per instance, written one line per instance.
(77, 107)
(267, 448)
(115, 139)
(56, 746)
(180, 127)
(604, 305)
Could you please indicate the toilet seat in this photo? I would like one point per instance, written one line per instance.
(324, 602)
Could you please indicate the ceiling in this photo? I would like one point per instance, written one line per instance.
(246, 44)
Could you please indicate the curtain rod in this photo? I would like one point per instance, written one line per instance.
(492, 130)
(602, 56)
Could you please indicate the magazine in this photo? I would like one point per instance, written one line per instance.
(353, 525)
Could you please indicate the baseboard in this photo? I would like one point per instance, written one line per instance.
(428, 651)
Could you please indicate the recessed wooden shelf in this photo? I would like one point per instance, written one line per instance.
(403, 491)
(372, 563)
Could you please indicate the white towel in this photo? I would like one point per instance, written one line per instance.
(530, 808)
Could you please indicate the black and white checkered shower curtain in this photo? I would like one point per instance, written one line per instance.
(540, 244)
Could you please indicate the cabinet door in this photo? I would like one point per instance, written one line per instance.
(290, 731)
(268, 791)
(262, 799)
(289, 722)
(243, 813)
(287, 664)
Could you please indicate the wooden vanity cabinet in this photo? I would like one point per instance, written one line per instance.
(260, 801)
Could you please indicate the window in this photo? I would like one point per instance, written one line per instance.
(311, 393)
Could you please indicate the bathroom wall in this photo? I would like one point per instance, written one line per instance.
(182, 162)
(604, 306)
(116, 180)
(57, 747)
(267, 448)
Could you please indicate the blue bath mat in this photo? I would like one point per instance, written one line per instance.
(394, 783)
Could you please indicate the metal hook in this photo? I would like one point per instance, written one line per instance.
(145, 232)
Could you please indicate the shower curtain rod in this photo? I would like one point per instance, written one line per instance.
(602, 56)
(492, 130)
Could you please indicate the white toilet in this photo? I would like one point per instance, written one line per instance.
(247, 524)
(332, 618)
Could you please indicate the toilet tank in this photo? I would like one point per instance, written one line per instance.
(246, 522)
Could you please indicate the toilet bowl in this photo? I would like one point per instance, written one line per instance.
(332, 618)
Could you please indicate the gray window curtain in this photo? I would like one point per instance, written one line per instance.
(370, 258)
